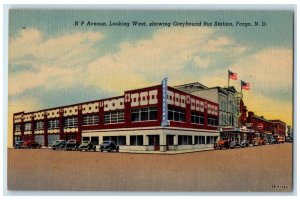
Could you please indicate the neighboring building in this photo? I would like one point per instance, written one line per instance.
(243, 115)
(279, 128)
(133, 121)
(225, 97)
(260, 125)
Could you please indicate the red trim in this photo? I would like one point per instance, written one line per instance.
(45, 131)
(61, 124)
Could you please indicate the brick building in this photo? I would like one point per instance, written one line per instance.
(280, 128)
(134, 120)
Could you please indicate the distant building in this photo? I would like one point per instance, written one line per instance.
(260, 125)
(279, 128)
(225, 97)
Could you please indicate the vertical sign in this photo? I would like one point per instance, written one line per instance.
(164, 84)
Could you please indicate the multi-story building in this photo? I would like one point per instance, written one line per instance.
(152, 118)
(260, 125)
(280, 128)
(225, 97)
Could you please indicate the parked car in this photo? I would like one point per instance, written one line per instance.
(244, 143)
(31, 145)
(233, 144)
(222, 143)
(289, 139)
(262, 142)
(18, 144)
(109, 146)
(72, 145)
(87, 146)
(273, 141)
(280, 140)
(59, 144)
(258, 142)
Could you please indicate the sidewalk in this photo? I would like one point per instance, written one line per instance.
(171, 152)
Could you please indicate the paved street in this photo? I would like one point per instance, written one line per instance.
(264, 168)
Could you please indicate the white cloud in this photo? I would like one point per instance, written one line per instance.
(57, 61)
(147, 61)
(268, 68)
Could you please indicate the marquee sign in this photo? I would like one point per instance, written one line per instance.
(164, 84)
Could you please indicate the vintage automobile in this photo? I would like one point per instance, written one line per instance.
(109, 146)
(222, 143)
(273, 141)
(31, 145)
(18, 144)
(71, 145)
(58, 144)
(233, 144)
(258, 142)
(280, 140)
(244, 143)
(87, 146)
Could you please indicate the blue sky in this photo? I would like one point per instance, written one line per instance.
(52, 59)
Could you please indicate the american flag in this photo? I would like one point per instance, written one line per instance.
(245, 86)
(232, 75)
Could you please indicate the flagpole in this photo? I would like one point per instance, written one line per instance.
(241, 87)
(227, 114)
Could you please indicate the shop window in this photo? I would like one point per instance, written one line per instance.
(119, 140)
(136, 140)
(95, 140)
(199, 139)
(211, 139)
(184, 139)
(85, 138)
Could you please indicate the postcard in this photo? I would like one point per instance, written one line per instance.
(149, 100)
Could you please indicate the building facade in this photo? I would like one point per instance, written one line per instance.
(280, 128)
(133, 121)
(263, 127)
(225, 97)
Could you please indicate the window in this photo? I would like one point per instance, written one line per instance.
(144, 114)
(28, 126)
(39, 125)
(95, 140)
(136, 140)
(176, 115)
(119, 140)
(114, 117)
(197, 118)
(184, 139)
(199, 139)
(212, 121)
(17, 128)
(85, 138)
(212, 139)
(53, 124)
(71, 122)
(90, 120)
